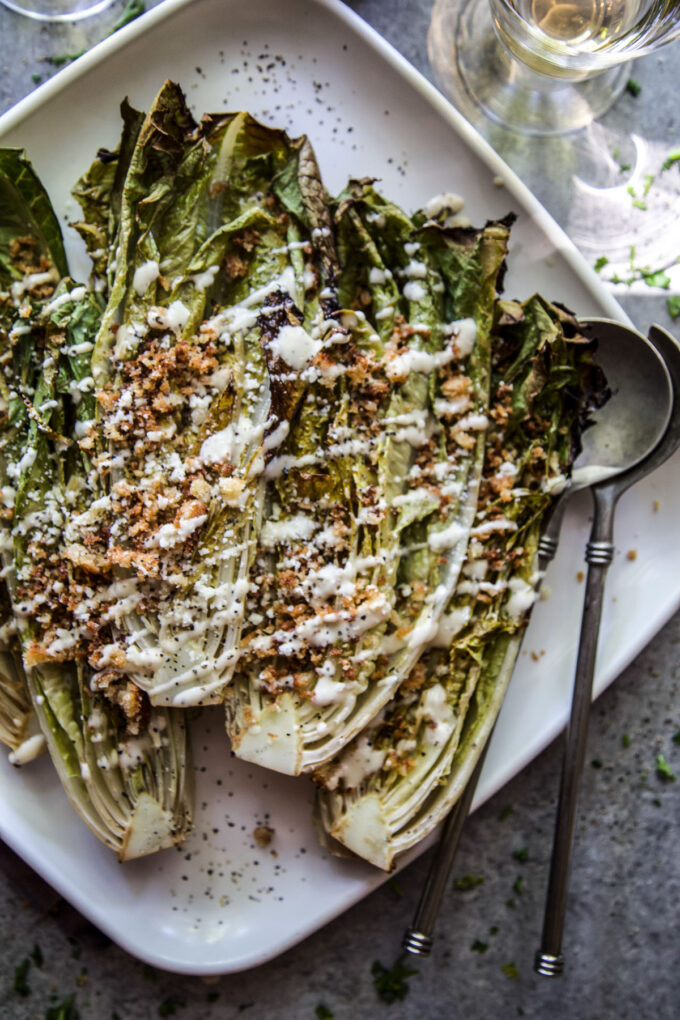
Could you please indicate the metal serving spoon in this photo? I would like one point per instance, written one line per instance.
(625, 432)
(549, 961)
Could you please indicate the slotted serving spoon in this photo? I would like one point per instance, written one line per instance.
(626, 432)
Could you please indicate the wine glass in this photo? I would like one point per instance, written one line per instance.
(543, 67)
(57, 10)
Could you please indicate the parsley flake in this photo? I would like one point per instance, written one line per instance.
(673, 306)
(396, 888)
(521, 855)
(323, 1013)
(391, 984)
(66, 1010)
(633, 87)
(132, 10)
(20, 984)
(468, 881)
(601, 263)
(663, 769)
(673, 157)
(479, 947)
(510, 970)
(657, 279)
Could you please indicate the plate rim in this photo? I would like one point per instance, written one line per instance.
(11, 120)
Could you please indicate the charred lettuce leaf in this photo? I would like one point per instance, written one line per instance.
(123, 765)
(401, 776)
(217, 253)
(373, 472)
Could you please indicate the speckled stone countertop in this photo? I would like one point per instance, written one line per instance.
(621, 928)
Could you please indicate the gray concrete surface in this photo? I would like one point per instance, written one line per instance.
(622, 924)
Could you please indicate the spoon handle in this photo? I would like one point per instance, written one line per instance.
(418, 938)
(549, 961)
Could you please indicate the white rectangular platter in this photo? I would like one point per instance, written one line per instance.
(221, 903)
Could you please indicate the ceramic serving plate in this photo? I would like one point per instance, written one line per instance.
(222, 903)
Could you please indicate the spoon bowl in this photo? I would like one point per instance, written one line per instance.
(636, 416)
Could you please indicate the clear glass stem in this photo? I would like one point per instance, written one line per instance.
(57, 10)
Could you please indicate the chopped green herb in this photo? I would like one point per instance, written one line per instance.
(633, 87)
(323, 1013)
(663, 769)
(37, 956)
(510, 970)
(396, 888)
(169, 1006)
(657, 279)
(649, 180)
(36, 78)
(132, 10)
(616, 153)
(623, 167)
(20, 984)
(601, 263)
(518, 885)
(468, 881)
(66, 1010)
(673, 306)
(656, 802)
(506, 812)
(391, 985)
(479, 947)
(63, 58)
(676, 737)
(493, 930)
(638, 204)
(673, 157)
(625, 740)
(596, 763)
(521, 855)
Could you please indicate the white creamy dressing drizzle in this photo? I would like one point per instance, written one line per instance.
(27, 750)
(295, 346)
(438, 715)
(445, 202)
(522, 597)
(144, 276)
(359, 762)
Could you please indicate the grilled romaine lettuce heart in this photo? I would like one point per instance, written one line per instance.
(403, 773)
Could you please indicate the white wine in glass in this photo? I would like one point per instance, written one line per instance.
(543, 66)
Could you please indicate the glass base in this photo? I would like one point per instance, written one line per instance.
(57, 10)
(473, 68)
